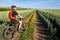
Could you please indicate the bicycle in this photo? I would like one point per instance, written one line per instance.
(10, 30)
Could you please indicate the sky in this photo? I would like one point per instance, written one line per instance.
(31, 3)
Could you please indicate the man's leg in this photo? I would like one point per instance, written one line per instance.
(20, 24)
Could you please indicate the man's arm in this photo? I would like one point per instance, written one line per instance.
(20, 16)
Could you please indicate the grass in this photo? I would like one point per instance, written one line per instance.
(28, 34)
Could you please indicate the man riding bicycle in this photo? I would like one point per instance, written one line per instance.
(12, 16)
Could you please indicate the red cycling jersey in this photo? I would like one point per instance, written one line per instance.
(12, 15)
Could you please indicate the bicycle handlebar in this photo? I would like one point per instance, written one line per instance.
(20, 18)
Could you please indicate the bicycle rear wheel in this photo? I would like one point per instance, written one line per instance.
(7, 34)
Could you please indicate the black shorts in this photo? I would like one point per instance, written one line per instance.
(15, 21)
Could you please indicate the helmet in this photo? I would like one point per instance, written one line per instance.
(13, 6)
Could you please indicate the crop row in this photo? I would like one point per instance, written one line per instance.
(52, 23)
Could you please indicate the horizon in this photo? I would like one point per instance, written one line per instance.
(42, 4)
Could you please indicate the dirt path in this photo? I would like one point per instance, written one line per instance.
(17, 35)
(41, 32)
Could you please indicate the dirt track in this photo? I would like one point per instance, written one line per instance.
(41, 32)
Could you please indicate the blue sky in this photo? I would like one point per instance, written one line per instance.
(31, 3)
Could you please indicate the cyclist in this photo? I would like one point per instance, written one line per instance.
(12, 16)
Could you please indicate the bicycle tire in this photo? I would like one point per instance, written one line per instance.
(5, 35)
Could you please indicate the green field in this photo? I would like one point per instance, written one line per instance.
(4, 14)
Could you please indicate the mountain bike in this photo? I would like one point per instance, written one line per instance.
(11, 29)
